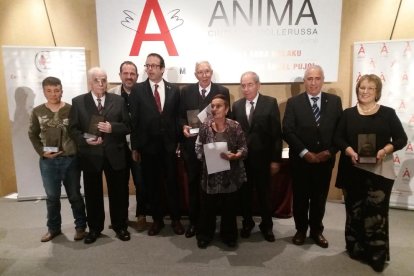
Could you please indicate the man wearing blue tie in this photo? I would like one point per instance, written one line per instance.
(308, 127)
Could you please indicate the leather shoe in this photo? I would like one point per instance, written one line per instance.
(123, 235)
(155, 228)
(268, 234)
(231, 243)
(377, 262)
(50, 235)
(191, 231)
(141, 223)
(246, 229)
(80, 234)
(320, 240)
(299, 238)
(91, 237)
(177, 227)
(202, 244)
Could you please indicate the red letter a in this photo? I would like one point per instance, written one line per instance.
(141, 35)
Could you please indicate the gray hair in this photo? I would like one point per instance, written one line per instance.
(93, 71)
(254, 75)
(198, 63)
(314, 67)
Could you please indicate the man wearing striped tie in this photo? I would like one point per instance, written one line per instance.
(308, 127)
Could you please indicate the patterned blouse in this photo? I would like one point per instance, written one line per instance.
(226, 181)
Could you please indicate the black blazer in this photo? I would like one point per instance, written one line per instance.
(264, 135)
(150, 127)
(191, 99)
(113, 146)
(300, 129)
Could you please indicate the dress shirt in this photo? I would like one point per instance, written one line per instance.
(95, 99)
(248, 105)
(161, 91)
(208, 88)
(318, 103)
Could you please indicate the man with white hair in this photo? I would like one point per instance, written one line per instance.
(194, 98)
(106, 116)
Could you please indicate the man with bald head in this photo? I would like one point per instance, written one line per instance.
(308, 127)
(103, 152)
(259, 118)
(194, 98)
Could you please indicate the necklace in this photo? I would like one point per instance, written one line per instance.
(366, 111)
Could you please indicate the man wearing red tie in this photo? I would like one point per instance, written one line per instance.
(154, 107)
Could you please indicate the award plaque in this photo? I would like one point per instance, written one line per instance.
(93, 131)
(53, 139)
(193, 121)
(367, 148)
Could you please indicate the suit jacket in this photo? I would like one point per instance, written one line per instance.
(191, 99)
(150, 127)
(113, 146)
(264, 135)
(300, 129)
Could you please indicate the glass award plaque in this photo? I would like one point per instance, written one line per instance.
(193, 121)
(53, 139)
(367, 152)
(93, 131)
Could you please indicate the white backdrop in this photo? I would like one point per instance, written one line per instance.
(25, 68)
(393, 61)
(277, 39)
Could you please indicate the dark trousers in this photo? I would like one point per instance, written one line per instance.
(116, 184)
(159, 171)
(310, 190)
(193, 170)
(212, 204)
(140, 190)
(258, 178)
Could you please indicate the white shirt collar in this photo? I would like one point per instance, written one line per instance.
(208, 88)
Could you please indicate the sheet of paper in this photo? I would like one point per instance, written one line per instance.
(214, 162)
(205, 114)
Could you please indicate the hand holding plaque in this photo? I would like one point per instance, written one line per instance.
(193, 121)
(53, 139)
(367, 153)
(93, 131)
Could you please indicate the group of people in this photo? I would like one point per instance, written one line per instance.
(140, 127)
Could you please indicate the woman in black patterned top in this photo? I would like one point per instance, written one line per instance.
(219, 190)
(367, 187)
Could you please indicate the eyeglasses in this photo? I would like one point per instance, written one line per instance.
(150, 66)
(206, 72)
(369, 89)
(100, 81)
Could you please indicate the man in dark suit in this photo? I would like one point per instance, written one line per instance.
(103, 153)
(128, 73)
(308, 127)
(194, 98)
(154, 107)
(260, 120)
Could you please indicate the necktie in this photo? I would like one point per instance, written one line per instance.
(251, 112)
(203, 93)
(315, 109)
(157, 98)
(100, 107)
